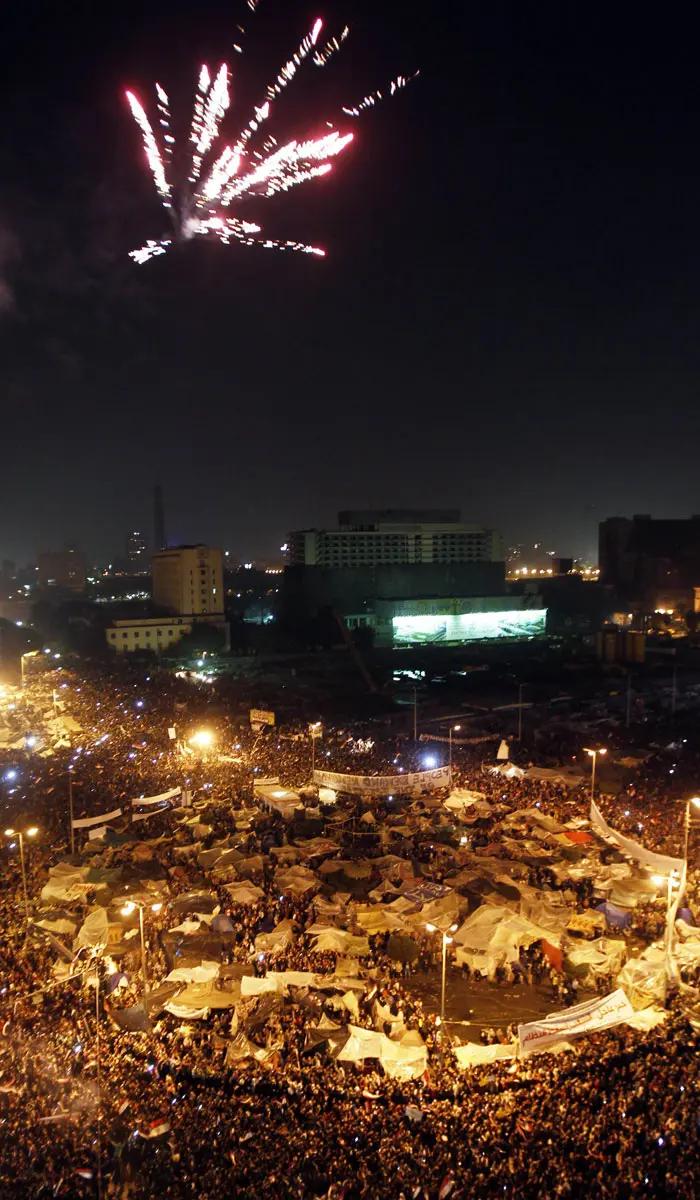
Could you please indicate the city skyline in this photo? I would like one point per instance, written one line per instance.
(503, 321)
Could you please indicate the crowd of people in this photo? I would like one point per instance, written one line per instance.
(89, 1108)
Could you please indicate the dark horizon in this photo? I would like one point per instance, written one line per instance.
(503, 322)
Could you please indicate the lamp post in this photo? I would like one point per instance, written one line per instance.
(594, 754)
(456, 729)
(695, 801)
(27, 654)
(31, 832)
(446, 941)
(415, 714)
(126, 912)
(520, 712)
(315, 732)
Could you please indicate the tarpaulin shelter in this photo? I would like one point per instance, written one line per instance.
(295, 881)
(615, 917)
(95, 929)
(604, 956)
(244, 893)
(493, 935)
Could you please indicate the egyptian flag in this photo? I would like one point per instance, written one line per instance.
(155, 1129)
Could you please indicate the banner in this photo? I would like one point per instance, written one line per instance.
(658, 862)
(261, 716)
(384, 785)
(144, 800)
(588, 1017)
(90, 822)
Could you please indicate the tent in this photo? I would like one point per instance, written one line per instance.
(295, 881)
(94, 931)
(604, 956)
(244, 893)
(493, 935)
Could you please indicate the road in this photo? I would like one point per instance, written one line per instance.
(471, 1007)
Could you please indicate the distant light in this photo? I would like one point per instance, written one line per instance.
(31, 741)
(139, 703)
(10, 775)
(18, 622)
(429, 760)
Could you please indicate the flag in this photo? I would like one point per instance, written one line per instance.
(503, 750)
(155, 1129)
(84, 1173)
(446, 1188)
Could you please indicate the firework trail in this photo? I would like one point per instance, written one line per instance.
(239, 171)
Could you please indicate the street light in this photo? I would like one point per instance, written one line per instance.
(446, 941)
(27, 654)
(30, 833)
(126, 912)
(456, 729)
(594, 754)
(315, 732)
(694, 800)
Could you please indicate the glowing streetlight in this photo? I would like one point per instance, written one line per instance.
(456, 729)
(315, 731)
(593, 754)
(127, 910)
(27, 654)
(21, 835)
(446, 941)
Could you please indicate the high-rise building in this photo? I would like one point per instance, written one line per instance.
(136, 552)
(159, 537)
(189, 581)
(65, 569)
(643, 555)
(394, 536)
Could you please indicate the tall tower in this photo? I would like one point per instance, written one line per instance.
(159, 540)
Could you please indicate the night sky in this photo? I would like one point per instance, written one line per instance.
(507, 318)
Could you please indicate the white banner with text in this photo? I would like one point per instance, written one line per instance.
(384, 785)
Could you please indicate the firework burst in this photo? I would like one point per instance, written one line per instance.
(238, 171)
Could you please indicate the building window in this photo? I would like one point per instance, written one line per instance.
(124, 635)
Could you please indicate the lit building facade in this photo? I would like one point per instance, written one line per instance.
(458, 621)
(393, 537)
(136, 552)
(189, 581)
(148, 633)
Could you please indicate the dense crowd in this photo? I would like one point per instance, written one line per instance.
(90, 1109)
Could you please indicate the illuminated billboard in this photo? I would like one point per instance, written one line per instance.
(469, 627)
